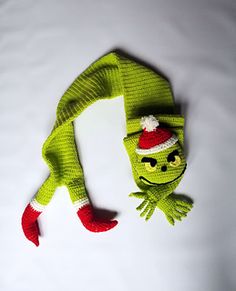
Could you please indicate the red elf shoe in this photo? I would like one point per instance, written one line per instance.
(30, 224)
(86, 215)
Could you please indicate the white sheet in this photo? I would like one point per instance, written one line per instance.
(44, 46)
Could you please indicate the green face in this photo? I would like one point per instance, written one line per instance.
(162, 167)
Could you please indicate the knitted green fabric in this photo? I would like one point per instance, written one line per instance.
(145, 93)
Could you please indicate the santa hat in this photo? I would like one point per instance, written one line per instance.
(154, 139)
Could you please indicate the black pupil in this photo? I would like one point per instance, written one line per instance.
(152, 161)
(171, 156)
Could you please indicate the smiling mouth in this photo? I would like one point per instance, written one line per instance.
(151, 183)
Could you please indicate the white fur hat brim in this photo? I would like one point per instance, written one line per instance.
(158, 148)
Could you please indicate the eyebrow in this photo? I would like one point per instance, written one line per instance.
(152, 161)
(171, 156)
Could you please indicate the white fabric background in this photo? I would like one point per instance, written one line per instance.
(44, 46)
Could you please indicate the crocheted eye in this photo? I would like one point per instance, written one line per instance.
(174, 159)
(176, 163)
(150, 164)
(149, 167)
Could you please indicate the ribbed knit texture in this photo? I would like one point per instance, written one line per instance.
(113, 75)
(109, 77)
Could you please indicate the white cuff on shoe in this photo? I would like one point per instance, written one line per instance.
(80, 203)
(37, 206)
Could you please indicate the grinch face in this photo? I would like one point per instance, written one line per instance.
(161, 167)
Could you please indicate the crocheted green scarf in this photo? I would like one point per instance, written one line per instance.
(154, 143)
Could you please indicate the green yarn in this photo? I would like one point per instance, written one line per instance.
(173, 206)
(145, 92)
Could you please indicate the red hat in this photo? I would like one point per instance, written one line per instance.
(154, 139)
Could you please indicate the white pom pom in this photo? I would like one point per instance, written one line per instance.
(149, 123)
